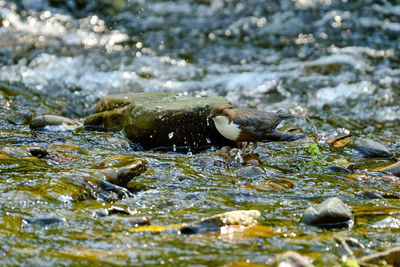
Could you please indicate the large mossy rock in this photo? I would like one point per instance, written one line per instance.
(159, 120)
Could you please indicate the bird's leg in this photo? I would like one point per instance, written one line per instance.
(254, 147)
(246, 145)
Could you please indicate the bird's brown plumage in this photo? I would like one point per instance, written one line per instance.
(254, 125)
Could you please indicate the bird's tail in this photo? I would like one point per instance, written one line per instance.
(285, 116)
(280, 136)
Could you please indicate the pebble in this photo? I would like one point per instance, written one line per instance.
(331, 213)
(372, 149)
(214, 223)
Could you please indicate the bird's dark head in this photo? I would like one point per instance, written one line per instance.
(219, 110)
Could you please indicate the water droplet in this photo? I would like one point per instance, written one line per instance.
(208, 140)
(174, 147)
(170, 135)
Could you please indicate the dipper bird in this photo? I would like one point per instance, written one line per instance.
(249, 125)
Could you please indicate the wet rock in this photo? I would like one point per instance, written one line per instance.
(331, 213)
(350, 242)
(214, 223)
(272, 185)
(138, 221)
(41, 221)
(118, 210)
(38, 152)
(111, 211)
(372, 149)
(393, 169)
(92, 188)
(251, 159)
(391, 257)
(19, 116)
(52, 120)
(121, 170)
(158, 119)
(249, 172)
(340, 141)
(379, 194)
(339, 169)
(292, 259)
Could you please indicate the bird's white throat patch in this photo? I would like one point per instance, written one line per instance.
(230, 131)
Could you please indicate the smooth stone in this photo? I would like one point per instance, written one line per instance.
(393, 169)
(214, 223)
(38, 152)
(118, 210)
(372, 149)
(41, 221)
(92, 188)
(19, 116)
(249, 172)
(51, 120)
(331, 213)
(158, 119)
(138, 221)
(120, 170)
(292, 259)
(339, 169)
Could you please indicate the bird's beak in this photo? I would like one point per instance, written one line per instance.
(210, 116)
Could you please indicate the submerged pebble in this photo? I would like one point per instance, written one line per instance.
(372, 149)
(41, 221)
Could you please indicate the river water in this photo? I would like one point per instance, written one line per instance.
(336, 61)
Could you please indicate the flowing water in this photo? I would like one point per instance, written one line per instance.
(336, 61)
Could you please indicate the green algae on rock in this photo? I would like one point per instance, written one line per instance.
(120, 170)
(159, 119)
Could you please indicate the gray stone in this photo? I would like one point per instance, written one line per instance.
(213, 223)
(372, 149)
(249, 172)
(120, 169)
(159, 119)
(51, 120)
(330, 213)
(393, 169)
